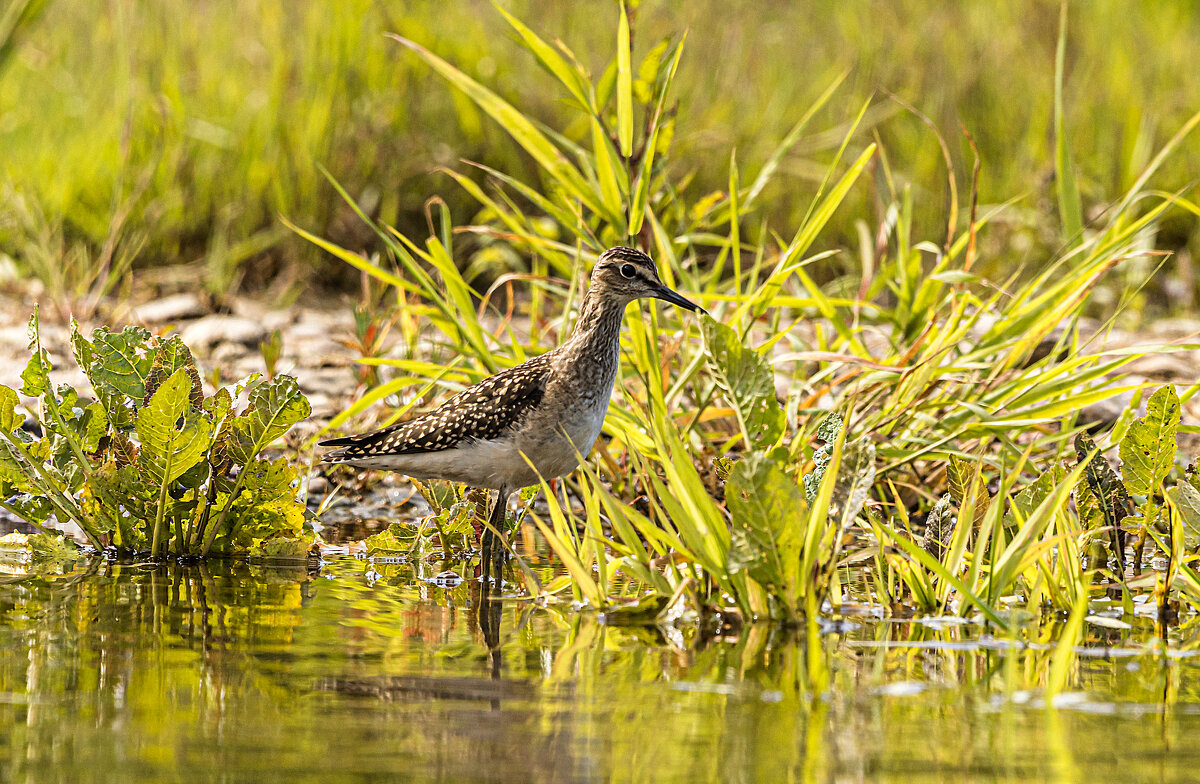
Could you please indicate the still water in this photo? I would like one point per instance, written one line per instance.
(357, 672)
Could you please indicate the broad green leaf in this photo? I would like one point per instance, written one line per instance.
(963, 480)
(36, 376)
(1108, 490)
(13, 476)
(129, 522)
(1031, 496)
(748, 382)
(95, 427)
(856, 476)
(9, 418)
(1148, 448)
(274, 407)
(1186, 500)
(265, 507)
(767, 516)
(116, 361)
(174, 436)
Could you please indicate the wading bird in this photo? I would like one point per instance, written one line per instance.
(536, 419)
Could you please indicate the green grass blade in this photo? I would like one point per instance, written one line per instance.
(515, 123)
(624, 86)
(1069, 206)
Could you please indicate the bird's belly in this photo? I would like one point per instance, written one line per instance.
(487, 464)
(504, 462)
(559, 449)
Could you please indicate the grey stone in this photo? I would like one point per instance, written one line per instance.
(176, 307)
(204, 335)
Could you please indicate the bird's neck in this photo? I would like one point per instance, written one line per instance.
(599, 321)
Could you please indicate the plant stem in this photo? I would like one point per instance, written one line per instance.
(211, 534)
(65, 504)
(158, 520)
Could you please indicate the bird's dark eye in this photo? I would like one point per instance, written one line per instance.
(627, 270)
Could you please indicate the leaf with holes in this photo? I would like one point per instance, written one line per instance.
(856, 475)
(174, 436)
(266, 506)
(274, 407)
(171, 355)
(115, 361)
(1148, 452)
(939, 527)
(1107, 489)
(828, 432)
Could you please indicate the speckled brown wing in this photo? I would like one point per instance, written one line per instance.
(485, 411)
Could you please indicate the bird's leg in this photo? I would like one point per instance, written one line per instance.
(492, 553)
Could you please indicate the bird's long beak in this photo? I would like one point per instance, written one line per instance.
(665, 294)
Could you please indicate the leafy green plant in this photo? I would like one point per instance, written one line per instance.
(152, 463)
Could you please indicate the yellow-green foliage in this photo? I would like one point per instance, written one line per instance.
(189, 126)
(153, 463)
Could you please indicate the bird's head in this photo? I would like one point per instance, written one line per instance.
(629, 274)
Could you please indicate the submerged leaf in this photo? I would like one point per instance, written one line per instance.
(38, 547)
(283, 548)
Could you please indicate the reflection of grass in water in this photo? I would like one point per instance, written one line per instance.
(118, 665)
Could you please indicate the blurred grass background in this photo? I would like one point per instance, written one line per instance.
(176, 131)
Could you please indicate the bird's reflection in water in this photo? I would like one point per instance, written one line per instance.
(490, 603)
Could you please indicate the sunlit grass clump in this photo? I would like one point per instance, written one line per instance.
(919, 423)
